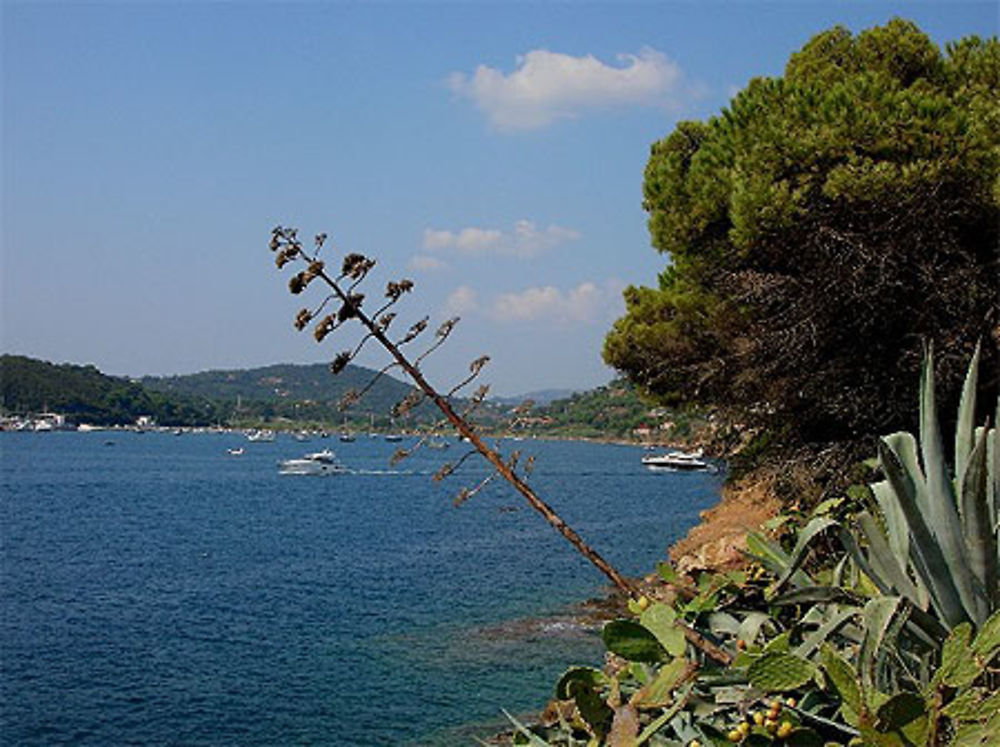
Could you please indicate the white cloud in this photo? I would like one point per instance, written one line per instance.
(547, 86)
(462, 300)
(585, 303)
(437, 239)
(426, 264)
(526, 240)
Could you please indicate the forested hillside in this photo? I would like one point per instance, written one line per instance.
(617, 411)
(85, 395)
(307, 392)
(288, 394)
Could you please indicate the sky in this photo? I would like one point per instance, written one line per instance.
(492, 152)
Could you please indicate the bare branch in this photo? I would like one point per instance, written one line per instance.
(441, 336)
(475, 367)
(411, 400)
(465, 494)
(414, 331)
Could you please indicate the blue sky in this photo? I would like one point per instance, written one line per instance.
(491, 151)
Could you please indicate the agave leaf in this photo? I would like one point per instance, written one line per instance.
(851, 545)
(895, 519)
(884, 562)
(811, 530)
(993, 474)
(663, 719)
(721, 623)
(964, 428)
(751, 625)
(924, 549)
(904, 447)
(943, 512)
(817, 594)
(772, 557)
(818, 637)
(879, 614)
(979, 532)
(839, 572)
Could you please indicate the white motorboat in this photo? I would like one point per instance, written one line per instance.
(677, 460)
(317, 463)
(262, 435)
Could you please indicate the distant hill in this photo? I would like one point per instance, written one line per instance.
(285, 383)
(309, 394)
(85, 395)
(297, 392)
(541, 398)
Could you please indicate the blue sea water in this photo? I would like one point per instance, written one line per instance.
(156, 590)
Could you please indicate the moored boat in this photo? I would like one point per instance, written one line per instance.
(677, 460)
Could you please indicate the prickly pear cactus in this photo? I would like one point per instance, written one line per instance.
(779, 672)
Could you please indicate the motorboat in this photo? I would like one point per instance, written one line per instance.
(677, 460)
(317, 463)
(262, 435)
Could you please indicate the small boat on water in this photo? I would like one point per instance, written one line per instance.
(236, 452)
(263, 435)
(317, 463)
(677, 460)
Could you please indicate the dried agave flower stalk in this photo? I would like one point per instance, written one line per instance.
(284, 241)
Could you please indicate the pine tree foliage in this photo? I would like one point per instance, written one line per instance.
(819, 228)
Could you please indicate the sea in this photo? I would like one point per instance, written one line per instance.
(157, 590)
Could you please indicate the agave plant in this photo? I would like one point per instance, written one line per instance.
(940, 525)
(935, 542)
